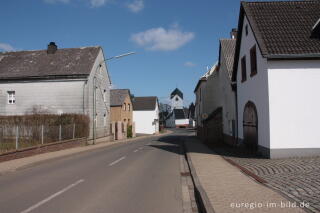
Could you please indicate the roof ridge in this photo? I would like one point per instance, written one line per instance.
(68, 48)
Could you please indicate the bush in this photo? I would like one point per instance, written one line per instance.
(49, 120)
(129, 131)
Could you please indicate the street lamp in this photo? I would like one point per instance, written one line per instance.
(94, 92)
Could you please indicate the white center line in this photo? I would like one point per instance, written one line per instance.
(135, 150)
(117, 161)
(52, 196)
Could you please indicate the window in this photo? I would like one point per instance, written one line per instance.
(124, 107)
(11, 97)
(243, 69)
(246, 30)
(128, 107)
(253, 60)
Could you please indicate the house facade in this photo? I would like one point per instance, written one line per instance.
(277, 74)
(71, 80)
(121, 113)
(146, 114)
(121, 106)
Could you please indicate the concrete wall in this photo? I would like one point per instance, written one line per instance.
(254, 89)
(144, 121)
(294, 104)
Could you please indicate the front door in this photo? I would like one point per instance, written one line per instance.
(250, 126)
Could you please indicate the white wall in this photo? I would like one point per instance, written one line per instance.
(254, 89)
(144, 121)
(182, 121)
(49, 96)
(294, 103)
(176, 104)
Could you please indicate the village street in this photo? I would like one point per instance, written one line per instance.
(140, 176)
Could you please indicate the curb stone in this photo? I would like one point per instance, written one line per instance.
(202, 199)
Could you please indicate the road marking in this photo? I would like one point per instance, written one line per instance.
(135, 150)
(117, 161)
(52, 196)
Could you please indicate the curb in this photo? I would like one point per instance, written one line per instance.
(203, 201)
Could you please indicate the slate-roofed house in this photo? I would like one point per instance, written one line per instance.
(121, 113)
(121, 105)
(217, 121)
(277, 76)
(146, 114)
(178, 118)
(56, 81)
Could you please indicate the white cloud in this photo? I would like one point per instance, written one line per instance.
(162, 39)
(6, 47)
(189, 64)
(97, 3)
(136, 6)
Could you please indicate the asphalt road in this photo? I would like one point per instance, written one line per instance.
(136, 177)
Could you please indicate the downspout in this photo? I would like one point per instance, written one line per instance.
(234, 88)
(83, 96)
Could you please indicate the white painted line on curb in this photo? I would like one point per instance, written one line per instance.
(117, 161)
(52, 196)
(135, 150)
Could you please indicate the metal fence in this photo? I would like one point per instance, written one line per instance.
(19, 137)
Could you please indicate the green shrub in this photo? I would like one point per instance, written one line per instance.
(129, 131)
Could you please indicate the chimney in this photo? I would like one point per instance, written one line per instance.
(52, 48)
(234, 33)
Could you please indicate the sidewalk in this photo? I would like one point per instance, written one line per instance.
(224, 188)
(12, 165)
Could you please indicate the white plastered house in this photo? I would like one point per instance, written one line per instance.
(277, 76)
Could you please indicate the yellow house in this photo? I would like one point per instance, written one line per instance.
(121, 106)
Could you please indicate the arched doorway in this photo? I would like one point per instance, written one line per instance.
(250, 126)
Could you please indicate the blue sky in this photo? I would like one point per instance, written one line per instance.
(175, 40)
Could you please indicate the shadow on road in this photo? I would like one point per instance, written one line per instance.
(171, 144)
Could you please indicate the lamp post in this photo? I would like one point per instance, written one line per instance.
(94, 114)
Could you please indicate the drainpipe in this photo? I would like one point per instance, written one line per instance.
(234, 88)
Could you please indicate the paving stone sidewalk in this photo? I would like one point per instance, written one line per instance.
(298, 178)
(230, 190)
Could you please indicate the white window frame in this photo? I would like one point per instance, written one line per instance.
(11, 97)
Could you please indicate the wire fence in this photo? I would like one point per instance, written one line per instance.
(19, 137)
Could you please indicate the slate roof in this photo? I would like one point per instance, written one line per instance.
(227, 50)
(117, 96)
(179, 114)
(176, 92)
(144, 103)
(282, 29)
(69, 62)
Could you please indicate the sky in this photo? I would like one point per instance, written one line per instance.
(174, 40)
